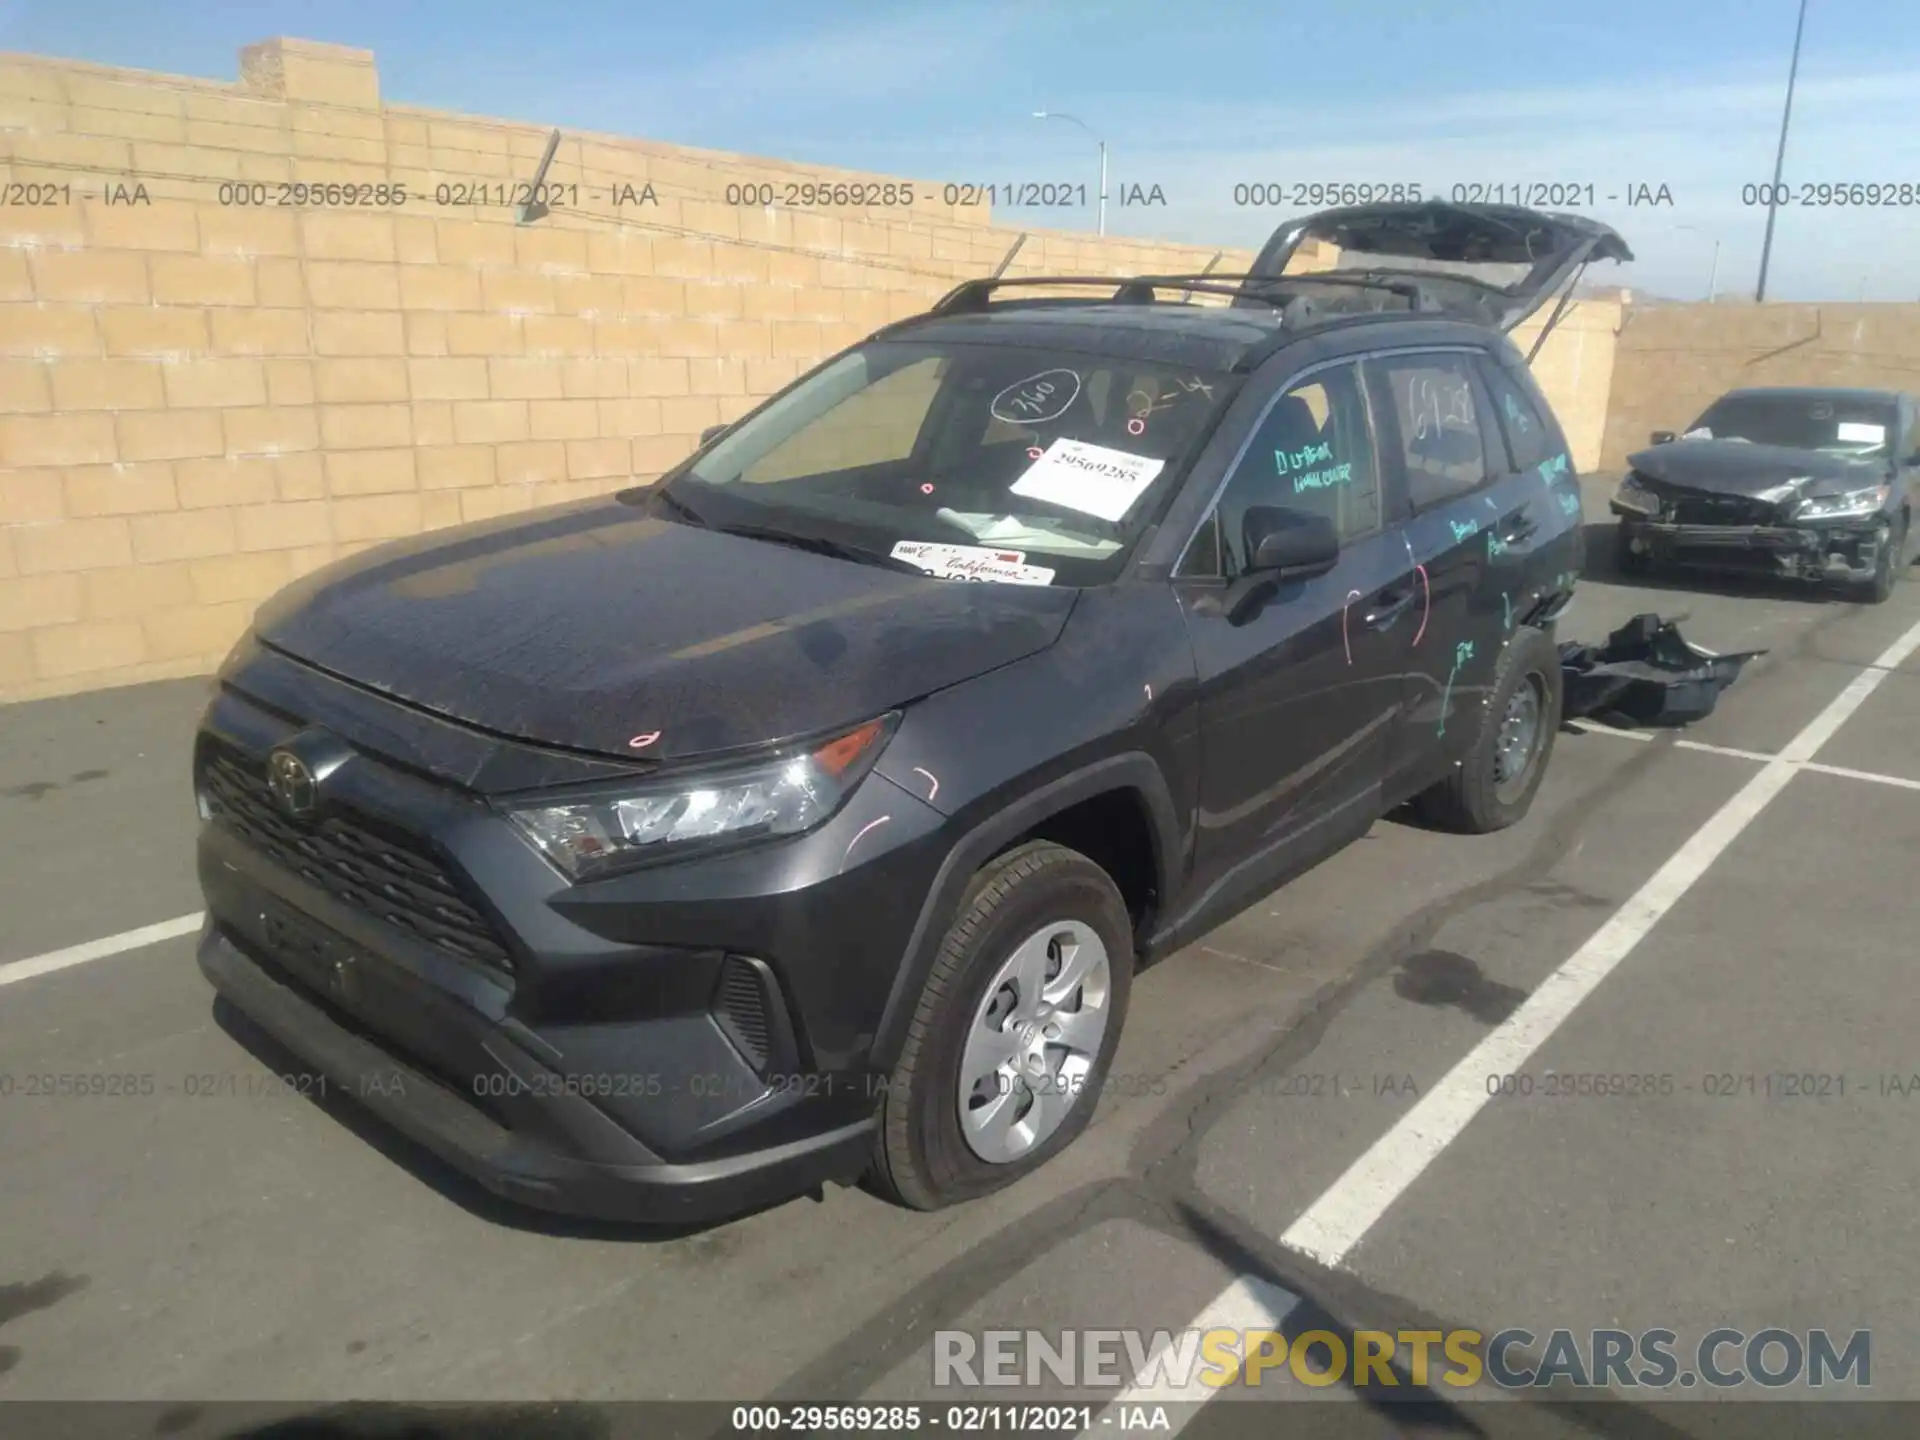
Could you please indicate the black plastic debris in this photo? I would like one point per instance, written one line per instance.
(1646, 674)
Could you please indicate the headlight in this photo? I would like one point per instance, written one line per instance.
(1635, 494)
(785, 793)
(1834, 507)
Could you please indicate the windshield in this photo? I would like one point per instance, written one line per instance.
(1839, 427)
(988, 462)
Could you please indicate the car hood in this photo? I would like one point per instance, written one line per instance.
(593, 625)
(1761, 472)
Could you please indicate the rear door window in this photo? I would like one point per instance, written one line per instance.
(1431, 403)
(1530, 437)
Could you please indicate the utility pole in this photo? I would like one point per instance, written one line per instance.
(1780, 156)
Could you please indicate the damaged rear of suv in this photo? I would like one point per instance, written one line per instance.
(1805, 484)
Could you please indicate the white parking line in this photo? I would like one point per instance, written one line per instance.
(1247, 1304)
(18, 970)
(1339, 1220)
(1872, 775)
(1588, 727)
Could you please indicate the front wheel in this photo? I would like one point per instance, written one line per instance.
(1892, 562)
(1494, 785)
(1014, 1032)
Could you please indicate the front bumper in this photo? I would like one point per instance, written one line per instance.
(607, 1174)
(1838, 551)
(677, 1044)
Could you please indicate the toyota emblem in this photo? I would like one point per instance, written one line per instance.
(292, 785)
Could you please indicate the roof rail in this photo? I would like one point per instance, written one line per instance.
(972, 297)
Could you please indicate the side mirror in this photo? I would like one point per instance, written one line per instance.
(711, 434)
(1281, 545)
(1289, 544)
(1663, 437)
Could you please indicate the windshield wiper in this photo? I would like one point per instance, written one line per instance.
(685, 511)
(821, 545)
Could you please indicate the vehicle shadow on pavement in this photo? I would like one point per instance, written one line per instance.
(434, 1172)
(1601, 567)
(31, 1295)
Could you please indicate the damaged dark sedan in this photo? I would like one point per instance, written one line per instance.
(1807, 484)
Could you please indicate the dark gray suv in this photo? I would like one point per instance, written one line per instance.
(806, 815)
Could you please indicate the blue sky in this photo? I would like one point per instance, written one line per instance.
(1194, 98)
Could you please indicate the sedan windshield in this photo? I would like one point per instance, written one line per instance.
(985, 462)
(1800, 422)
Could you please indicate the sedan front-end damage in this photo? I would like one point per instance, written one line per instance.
(1837, 537)
(1804, 484)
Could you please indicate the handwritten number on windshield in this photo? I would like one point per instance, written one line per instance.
(1037, 399)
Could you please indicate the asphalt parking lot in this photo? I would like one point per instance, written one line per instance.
(1306, 1135)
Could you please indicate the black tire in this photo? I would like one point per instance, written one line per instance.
(1625, 560)
(921, 1157)
(1893, 554)
(1476, 799)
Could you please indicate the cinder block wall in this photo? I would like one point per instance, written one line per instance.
(1674, 360)
(1575, 369)
(202, 398)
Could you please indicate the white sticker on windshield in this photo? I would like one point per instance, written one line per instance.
(1860, 433)
(1089, 478)
(972, 562)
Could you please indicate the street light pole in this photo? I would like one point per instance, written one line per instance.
(1072, 120)
(1713, 271)
(1780, 156)
(1103, 187)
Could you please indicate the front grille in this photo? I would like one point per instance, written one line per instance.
(352, 862)
(1719, 510)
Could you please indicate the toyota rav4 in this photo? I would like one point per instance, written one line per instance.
(805, 815)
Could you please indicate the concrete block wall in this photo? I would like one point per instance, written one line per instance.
(206, 392)
(1674, 360)
(1575, 369)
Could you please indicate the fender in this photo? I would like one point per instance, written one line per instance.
(1132, 770)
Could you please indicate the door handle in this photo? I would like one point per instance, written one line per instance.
(1387, 607)
(1517, 529)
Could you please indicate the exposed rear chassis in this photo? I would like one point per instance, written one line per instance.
(1843, 552)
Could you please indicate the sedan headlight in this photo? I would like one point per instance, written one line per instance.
(1836, 507)
(785, 793)
(1635, 494)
